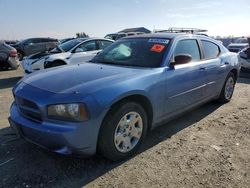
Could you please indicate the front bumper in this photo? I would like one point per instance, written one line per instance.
(74, 138)
(32, 65)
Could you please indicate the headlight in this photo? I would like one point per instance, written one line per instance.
(68, 112)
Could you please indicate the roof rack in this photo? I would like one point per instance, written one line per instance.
(182, 30)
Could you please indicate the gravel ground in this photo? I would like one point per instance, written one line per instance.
(207, 147)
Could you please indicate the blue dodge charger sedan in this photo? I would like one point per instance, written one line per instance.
(109, 104)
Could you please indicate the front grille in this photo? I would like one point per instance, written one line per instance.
(28, 109)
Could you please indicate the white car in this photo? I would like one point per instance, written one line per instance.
(74, 51)
(238, 45)
(244, 58)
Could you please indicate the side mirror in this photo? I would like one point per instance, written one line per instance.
(181, 59)
(78, 50)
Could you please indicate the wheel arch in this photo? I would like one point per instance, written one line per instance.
(141, 99)
(59, 60)
(235, 72)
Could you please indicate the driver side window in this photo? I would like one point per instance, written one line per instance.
(190, 47)
(88, 46)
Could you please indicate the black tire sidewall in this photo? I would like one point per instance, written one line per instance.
(106, 145)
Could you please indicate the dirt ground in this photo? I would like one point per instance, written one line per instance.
(207, 147)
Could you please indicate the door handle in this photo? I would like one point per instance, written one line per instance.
(226, 63)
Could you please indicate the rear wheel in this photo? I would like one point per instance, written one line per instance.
(123, 131)
(228, 88)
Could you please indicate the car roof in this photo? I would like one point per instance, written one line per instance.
(158, 35)
(171, 36)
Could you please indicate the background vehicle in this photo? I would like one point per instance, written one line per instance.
(11, 42)
(116, 36)
(65, 40)
(111, 36)
(244, 58)
(128, 32)
(238, 45)
(132, 86)
(71, 52)
(8, 57)
(34, 45)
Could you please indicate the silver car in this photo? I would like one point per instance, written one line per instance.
(8, 57)
(34, 45)
(71, 52)
(244, 58)
(238, 45)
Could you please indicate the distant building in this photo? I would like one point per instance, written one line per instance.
(137, 29)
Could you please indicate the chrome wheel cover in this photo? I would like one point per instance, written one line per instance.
(128, 132)
(229, 88)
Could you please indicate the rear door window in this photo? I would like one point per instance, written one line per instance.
(89, 46)
(190, 47)
(210, 49)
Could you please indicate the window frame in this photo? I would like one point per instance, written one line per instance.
(203, 50)
(198, 45)
(95, 41)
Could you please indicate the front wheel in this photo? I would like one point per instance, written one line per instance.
(123, 131)
(228, 88)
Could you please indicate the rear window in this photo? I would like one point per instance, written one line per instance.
(210, 49)
(134, 52)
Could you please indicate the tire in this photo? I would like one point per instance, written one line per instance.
(4, 66)
(116, 134)
(227, 90)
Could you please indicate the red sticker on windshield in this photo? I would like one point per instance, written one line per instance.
(157, 48)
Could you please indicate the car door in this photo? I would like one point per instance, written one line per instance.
(185, 82)
(34, 46)
(84, 52)
(214, 67)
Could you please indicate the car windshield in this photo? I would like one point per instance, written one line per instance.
(139, 52)
(66, 46)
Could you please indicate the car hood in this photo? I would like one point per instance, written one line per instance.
(39, 55)
(79, 78)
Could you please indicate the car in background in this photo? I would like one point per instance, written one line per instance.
(72, 52)
(65, 40)
(134, 85)
(34, 45)
(238, 45)
(8, 57)
(116, 36)
(244, 58)
(11, 42)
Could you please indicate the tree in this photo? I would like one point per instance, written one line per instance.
(81, 35)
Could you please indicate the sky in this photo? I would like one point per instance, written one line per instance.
(20, 19)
